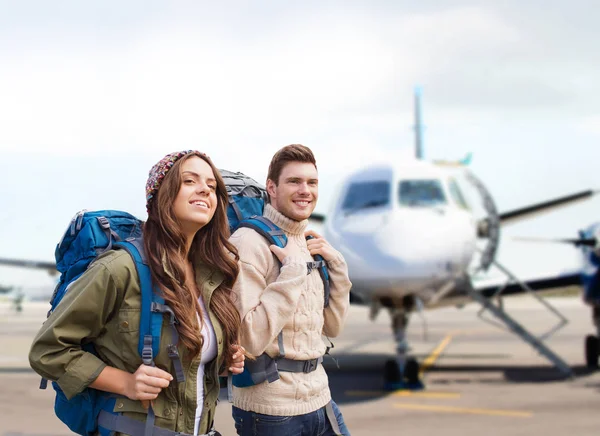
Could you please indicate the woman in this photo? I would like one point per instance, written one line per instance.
(194, 265)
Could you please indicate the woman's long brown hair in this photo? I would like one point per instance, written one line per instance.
(165, 245)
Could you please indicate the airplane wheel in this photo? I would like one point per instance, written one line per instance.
(395, 380)
(411, 371)
(391, 372)
(592, 350)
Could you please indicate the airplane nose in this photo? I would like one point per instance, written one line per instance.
(429, 240)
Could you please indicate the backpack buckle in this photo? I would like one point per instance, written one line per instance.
(315, 264)
(309, 366)
(147, 356)
(103, 222)
(172, 351)
(163, 308)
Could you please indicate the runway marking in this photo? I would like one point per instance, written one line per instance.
(426, 394)
(448, 409)
(439, 395)
(434, 355)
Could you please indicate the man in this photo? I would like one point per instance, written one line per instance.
(282, 305)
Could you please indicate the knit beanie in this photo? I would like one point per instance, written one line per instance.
(159, 171)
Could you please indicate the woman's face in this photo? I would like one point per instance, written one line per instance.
(196, 201)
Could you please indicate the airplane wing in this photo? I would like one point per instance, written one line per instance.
(502, 286)
(488, 287)
(515, 215)
(33, 264)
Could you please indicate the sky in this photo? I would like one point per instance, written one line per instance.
(94, 93)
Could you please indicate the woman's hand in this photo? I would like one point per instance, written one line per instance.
(237, 364)
(146, 383)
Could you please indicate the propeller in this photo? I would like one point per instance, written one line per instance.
(488, 227)
(577, 242)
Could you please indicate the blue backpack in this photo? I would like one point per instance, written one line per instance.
(247, 200)
(90, 234)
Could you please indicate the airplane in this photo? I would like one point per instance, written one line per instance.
(588, 242)
(410, 238)
(411, 241)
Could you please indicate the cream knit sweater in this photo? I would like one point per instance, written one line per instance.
(271, 299)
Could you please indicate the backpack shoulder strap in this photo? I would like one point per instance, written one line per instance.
(266, 228)
(325, 277)
(322, 266)
(275, 235)
(150, 321)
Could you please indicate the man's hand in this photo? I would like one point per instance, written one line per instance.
(146, 383)
(319, 245)
(290, 249)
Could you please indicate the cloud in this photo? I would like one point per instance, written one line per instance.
(177, 85)
(590, 124)
(91, 88)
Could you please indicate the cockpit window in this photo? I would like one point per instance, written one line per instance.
(456, 194)
(362, 195)
(421, 193)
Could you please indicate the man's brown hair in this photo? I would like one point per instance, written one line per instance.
(287, 154)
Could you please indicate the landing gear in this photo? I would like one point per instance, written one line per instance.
(411, 373)
(592, 351)
(18, 301)
(592, 343)
(396, 379)
(402, 372)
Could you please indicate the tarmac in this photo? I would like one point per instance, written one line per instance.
(479, 380)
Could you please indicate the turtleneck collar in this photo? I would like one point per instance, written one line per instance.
(286, 224)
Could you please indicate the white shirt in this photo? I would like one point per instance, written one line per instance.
(209, 352)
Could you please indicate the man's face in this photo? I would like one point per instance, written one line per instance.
(296, 194)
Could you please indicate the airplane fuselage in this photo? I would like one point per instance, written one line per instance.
(402, 229)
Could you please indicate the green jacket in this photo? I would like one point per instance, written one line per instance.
(103, 307)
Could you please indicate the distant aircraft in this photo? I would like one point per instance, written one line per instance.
(18, 294)
(14, 295)
(34, 264)
(588, 241)
(410, 239)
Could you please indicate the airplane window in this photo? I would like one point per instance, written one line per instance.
(421, 193)
(456, 194)
(364, 195)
